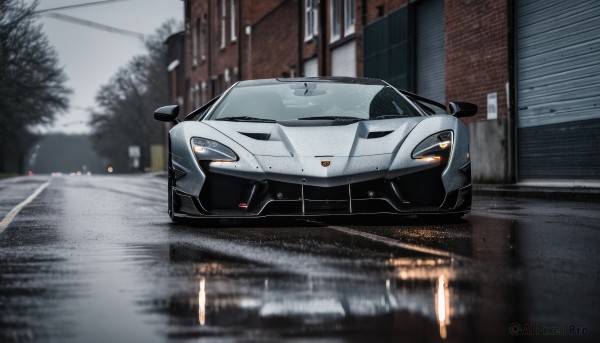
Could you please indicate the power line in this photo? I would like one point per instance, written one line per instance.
(96, 3)
(92, 24)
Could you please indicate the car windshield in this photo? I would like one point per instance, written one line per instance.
(312, 101)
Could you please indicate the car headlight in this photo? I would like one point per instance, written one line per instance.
(208, 150)
(434, 147)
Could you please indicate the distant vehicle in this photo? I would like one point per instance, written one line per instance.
(318, 146)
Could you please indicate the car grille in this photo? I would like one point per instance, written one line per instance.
(243, 197)
(227, 194)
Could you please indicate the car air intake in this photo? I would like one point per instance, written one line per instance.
(378, 134)
(257, 136)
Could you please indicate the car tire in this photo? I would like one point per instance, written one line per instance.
(170, 193)
(170, 182)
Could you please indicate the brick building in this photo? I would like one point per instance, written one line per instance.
(509, 57)
(229, 40)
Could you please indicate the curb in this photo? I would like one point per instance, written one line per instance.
(159, 174)
(582, 194)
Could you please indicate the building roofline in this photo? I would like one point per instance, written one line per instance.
(180, 33)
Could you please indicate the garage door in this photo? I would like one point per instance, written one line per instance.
(387, 50)
(343, 60)
(430, 49)
(558, 89)
(311, 68)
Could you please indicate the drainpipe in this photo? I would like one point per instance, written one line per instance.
(300, 64)
(209, 54)
(322, 48)
(238, 27)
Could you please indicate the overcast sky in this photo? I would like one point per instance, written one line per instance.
(91, 56)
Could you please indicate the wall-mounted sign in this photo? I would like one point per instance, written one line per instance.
(492, 106)
(134, 151)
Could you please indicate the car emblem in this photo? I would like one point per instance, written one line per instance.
(326, 163)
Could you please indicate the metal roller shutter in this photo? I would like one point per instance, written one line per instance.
(387, 49)
(430, 49)
(311, 68)
(558, 89)
(343, 60)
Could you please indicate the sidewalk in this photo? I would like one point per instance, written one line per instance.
(551, 190)
(159, 174)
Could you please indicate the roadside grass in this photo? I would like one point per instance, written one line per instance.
(7, 175)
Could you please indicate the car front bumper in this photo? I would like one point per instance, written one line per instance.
(422, 192)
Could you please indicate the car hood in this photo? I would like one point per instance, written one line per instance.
(361, 138)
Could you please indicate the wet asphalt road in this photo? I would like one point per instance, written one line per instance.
(96, 259)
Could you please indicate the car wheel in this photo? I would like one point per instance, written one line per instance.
(170, 179)
(170, 192)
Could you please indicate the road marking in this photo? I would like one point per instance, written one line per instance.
(13, 213)
(396, 243)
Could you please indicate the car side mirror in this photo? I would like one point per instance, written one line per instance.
(462, 109)
(167, 113)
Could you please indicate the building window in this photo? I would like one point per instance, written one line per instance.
(223, 17)
(195, 42)
(194, 97)
(235, 75)
(203, 39)
(311, 19)
(227, 77)
(349, 17)
(233, 20)
(197, 94)
(204, 91)
(336, 26)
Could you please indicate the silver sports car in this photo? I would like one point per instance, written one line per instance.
(315, 147)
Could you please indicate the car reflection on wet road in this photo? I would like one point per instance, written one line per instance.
(96, 259)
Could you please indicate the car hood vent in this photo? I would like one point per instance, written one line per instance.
(378, 134)
(275, 140)
(258, 136)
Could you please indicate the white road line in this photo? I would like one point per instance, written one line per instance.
(396, 243)
(13, 213)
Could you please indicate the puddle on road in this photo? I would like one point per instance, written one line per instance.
(425, 298)
(371, 296)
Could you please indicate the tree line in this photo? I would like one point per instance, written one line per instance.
(32, 85)
(33, 92)
(126, 103)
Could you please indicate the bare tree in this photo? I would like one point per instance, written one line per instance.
(32, 85)
(127, 101)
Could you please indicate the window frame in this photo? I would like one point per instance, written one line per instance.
(194, 45)
(349, 9)
(202, 42)
(196, 42)
(311, 20)
(223, 25)
(335, 20)
(233, 19)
